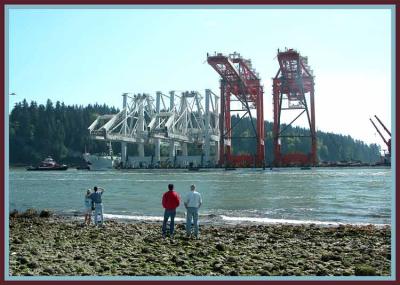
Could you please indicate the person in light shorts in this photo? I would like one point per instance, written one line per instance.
(88, 208)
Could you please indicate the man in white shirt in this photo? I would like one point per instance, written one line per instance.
(192, 204)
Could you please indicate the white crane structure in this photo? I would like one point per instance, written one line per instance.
(172, 119)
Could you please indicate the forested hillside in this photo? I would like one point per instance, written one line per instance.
(330, 147)
(61, 131)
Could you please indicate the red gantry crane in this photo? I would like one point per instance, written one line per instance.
(293, 81)
(240, 83)
(388, 141)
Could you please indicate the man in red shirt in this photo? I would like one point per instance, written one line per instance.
(170, 201)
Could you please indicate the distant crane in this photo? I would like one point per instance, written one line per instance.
(388, 141)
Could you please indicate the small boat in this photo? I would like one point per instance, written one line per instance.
(48, 164)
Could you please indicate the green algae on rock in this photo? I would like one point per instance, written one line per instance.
(58, 246)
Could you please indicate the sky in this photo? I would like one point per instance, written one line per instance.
(86, 56)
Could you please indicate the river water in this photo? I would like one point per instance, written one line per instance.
(320, 195)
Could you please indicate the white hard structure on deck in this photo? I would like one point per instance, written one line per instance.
(172, 119)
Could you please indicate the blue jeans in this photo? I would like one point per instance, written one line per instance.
(98, 211)
(192, 215)
(168, 214)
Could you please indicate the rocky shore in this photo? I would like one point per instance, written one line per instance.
(45, 245)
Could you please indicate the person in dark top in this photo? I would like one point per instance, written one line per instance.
(96, 198)
(170, 201)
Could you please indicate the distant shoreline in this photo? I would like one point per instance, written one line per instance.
(19, 166)
(62, 246)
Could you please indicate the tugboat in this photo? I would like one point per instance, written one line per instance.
(48, 164)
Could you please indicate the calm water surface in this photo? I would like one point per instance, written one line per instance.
(320, 195)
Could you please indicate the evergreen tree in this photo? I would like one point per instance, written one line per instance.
(37, 131)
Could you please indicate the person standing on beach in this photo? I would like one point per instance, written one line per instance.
(96, 198)
(192, 204)
(170, 201)
(88, 208)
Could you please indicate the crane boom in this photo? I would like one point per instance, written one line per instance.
(383, 125)
(383, 138)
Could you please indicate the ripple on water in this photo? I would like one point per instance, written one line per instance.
(341, 195)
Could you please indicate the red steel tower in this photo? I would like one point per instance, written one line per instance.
(239, 83)
(291, 84)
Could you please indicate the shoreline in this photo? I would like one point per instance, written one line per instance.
(62, 246)
(204, 219)
(223, 220)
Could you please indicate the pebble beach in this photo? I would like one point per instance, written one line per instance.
(63, 246)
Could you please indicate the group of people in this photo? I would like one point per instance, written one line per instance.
(170, 201)
(93, 202)
(192, 203)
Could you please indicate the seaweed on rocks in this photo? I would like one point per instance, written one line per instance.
(59, 246)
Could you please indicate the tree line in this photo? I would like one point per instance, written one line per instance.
(330, 146)
(37, 131)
